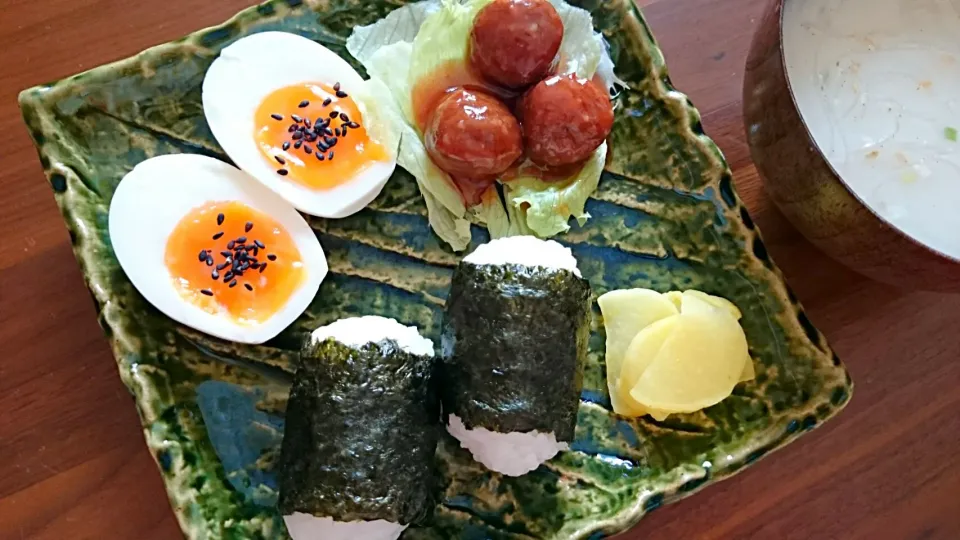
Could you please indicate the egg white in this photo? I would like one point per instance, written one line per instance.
(152, 199)
(249, 70)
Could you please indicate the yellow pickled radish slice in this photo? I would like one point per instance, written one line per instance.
(676, 297)
(748, 373)
(699, 363)
(625, 313)
(638, 357)
(658, 414)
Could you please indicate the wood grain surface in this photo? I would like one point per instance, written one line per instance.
(73, 464)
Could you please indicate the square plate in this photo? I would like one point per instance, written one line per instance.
(665, 216)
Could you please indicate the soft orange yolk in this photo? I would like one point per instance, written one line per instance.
(227, 257)
(313, 134)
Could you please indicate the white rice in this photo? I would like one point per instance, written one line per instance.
(358, 331)
(516, 453)
(306, 527)
(512, 454)
(526, 251)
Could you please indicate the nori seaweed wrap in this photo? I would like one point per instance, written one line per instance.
(514, 341)
(362, 425)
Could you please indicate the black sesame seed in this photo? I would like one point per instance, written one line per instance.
(328, 132)
(303, 103)
(248, 286)
(242, 240)
(272, 257)
(310, 137)
(255, 251)
(353, 125)
(218, 235)
(230, 245)
(306, 123)
(220, 218)
(292, 128)
(327, 102)
(337, 132)
(286, 145)
(297, 145)
(228, 276)
(221, 266)
(334, 114)
(297, 135)
(330, 155)
(202, 256)
(343, 130)
(276, 116)
(336, 86)
(227, 254)
(233, 284)
(206, 292)
(341, 94)
(307, 149)
(215, 274)
(333, 141)
(209, 261)
(296, 118)
(282, 172)
(259, 244)
(248, 226)
(320, 156)
(344, 117)
(263, 266)
(280, 160)
(322, 147)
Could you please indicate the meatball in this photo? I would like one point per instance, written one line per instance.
(514, 42)
(564, 120)
(473, 135)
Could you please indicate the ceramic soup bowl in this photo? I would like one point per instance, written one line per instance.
(852, 110)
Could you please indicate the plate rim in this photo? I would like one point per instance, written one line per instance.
(31, 102)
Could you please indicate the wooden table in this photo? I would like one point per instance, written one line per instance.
(73, 464)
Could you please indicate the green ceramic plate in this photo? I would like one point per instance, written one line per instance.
(666, 216)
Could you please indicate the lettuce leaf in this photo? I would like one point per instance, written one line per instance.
(380, 116)
(412, 42)
(547, 207)
(444, 37)
(580, 51)
(445, 208)
(399, 25)
(500, 221)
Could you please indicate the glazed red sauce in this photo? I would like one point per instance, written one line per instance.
(428, 91)
(472, 189)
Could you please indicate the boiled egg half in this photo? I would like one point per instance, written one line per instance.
(300, 120)
(214, 249)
